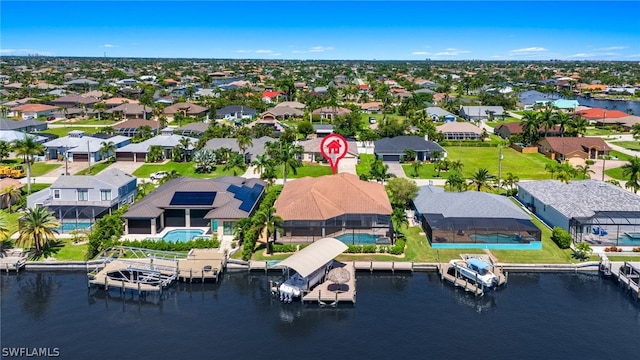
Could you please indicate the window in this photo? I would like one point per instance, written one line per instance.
(83, 195)
(228, 227)
(105, 195)
(56, 194)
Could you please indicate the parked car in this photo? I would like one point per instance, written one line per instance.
(51, 118)
(158, 175)
(372, 120)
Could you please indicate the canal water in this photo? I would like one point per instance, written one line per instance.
(410, 316)
(621, 105)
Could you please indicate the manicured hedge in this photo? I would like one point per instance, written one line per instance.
(561, 237)
(152, 244)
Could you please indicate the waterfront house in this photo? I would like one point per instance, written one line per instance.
(216, 204)
(473, 219)
(591, 210)
(332, 205)
(86, 197)
(392, 149)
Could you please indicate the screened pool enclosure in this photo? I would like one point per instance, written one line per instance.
(619, 228)
(479, 230)
(307, 231)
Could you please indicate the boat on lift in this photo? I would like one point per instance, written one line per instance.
(476, 270)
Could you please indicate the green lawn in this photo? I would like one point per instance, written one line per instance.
(71, 251)
(379, 117)
(40, 169)
(631, 145)
(616, 173)
(95, 168)
(497, 123)
(426, 171)
(186, 169)
(10, 220)
(364, 166)
(313, 170)
(620, 156)
(64, 131)
(593, 131)
(525, 166)
(88, 122)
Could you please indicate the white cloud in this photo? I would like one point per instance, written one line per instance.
(528, 50)
(451, 52)
(634, 56)
(419, 53)
(262, 51)
(108, 45)
(581, 55)
(612, 48)
(243, 51)
(24, 52)
(299, 52)
(320, 48)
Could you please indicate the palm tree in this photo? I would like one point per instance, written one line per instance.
(563, 119)
(269, 223)
(107, 148)
(184, 143)
(399, 218)
(456, 166)
(511, 180)
(173, 174)
(632, 170)
(380, 171)
(416, 167)
(566, 172)
(28, 148)
(547, 119)
(584, 171)
(482, 179)
(99, 107)
(11, 194)
(635, 131)
(260, 163)
(244, 142)
(235, 161)
(409, 155)
(552, 168)
(38, 227)
(435, 156)
(4, 230)
(530, 123)
(456, 182)
(288, 155)
(579, 125)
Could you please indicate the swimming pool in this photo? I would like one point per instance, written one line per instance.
(626, 240)
(68, 227)
(182, 235)
(362, 239)
(498, 238)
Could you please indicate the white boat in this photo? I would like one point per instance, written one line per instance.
(296, 285)
(476, 270)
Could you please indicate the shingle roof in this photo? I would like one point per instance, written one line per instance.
(232, 109)
(136, 123)
(329, 196)
(192, 109)
(313, 146)
(6, 124)
(582, 198)
(483, 110)
(161, 140)
(257, 145)
(468, 204)
(113, 177)
(399, 144)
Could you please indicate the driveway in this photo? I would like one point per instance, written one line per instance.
(127, 166)
(395, 168)
(347, 165)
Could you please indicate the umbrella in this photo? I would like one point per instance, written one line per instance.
(339, 276)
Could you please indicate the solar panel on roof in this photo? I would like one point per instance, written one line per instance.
(198, 198)
(246, 195)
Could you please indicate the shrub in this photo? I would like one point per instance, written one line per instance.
(163, 245)
(369, 249)
(283, 248)
(561, 237)
(354, 249)
(398, 247)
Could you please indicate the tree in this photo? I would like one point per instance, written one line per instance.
(260, 163)
(482, 179)
(285, 154)
(380, 171)
(205, 160)
(530, 124)
(510, 181)
(635, 131)
(584, 171)
(409, 155)
(28, 148)
(38, 228)
(547, 119)
(184, 144)
(456, 182)
(4, 230)
(10, 195)
(456, 166)
(244, 142)
(99, 107)
(579, 125)
(107, 148)
(552, 168)
(401, 191)
(235, 162)
(305, 128)
(416, 165)
(156, 153)
(632, 170)
(399, 218)
(173, 174)
(563, 119)
(268, 223)
(566, 172)
(5, 149)
(583, 250)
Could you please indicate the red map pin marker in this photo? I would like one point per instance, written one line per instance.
(334, 147)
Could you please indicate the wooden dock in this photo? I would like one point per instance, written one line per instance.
(201, 264)
(12, 263)
(330, 294)
(102, 279)
(628, 275)
(448, 273)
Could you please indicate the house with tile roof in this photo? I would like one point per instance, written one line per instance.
(33, 111)
(214, 205)
(329, 112)
(331, 206)
(459, 131)
(132, 127)
(312, 152)
(86, 197)
(132, 111)
(564, 148)
(505, 130)
(188, 109)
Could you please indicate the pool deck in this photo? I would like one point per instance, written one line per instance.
(162, 233)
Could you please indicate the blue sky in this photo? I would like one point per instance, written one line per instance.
(359, 30)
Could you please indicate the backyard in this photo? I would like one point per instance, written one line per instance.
(631, 145)
(64, 131)
(37, 168)
(182, 168)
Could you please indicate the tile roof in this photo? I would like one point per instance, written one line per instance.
(136, 123)
(566, 145)
(33, 108)
(458, 127)
(120, 100)
(192, 109)
(598, 113)
(329, 196)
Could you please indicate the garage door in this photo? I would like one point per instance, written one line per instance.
(124, 156)
(80, 157)
(390, 157)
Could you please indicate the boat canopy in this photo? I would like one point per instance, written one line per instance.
(314, 256)
(479, 264)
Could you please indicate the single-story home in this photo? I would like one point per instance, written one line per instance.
(293, 104)
(188, 109)
(591, 210)
(213, 204)
(73, 100)
(330, 112)
(132, 111)
(23, 125)
(338, 205)
(194, 129)
(322, 130)
(284, 112)
(437, 113)
(132, 127)
(312, 149)
(4, 184)
(167, 140)
(117, 101)
(473, 219)
(481, 113)
(33, 111)
(459, 131)
(505, 130)
(392, 149)
(257, 148)
(236, 112)
(563, 148)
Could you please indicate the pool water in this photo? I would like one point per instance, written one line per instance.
(358, 239)
(68, 227)
(625, 240)
(497, 238)
(182, 235)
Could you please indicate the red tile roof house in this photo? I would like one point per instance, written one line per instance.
(331, 206)
(505, 130)
(601, 116)
(563, 148)
(33, 111)
(272, 96)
